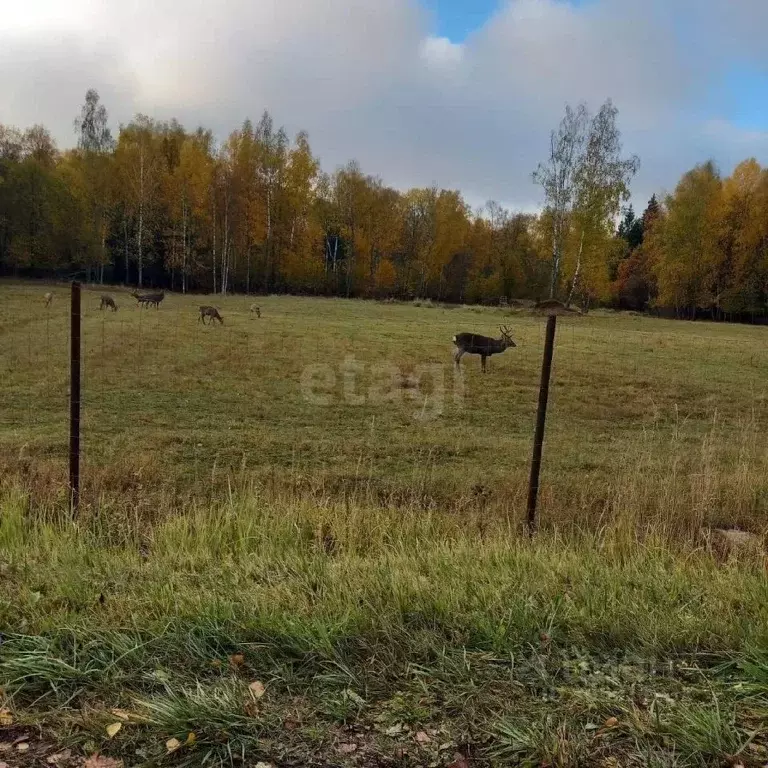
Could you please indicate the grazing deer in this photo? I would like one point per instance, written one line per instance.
(147, 299)
(256, 310)
(210, 312)
(107, 301)
(472, 344)
(48, 299)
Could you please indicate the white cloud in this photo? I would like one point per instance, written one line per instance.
(440, 53)
(367, 80)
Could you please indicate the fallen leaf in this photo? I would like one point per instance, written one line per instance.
(59, 757)
(611, 722)
(97, 761)
(264, 765)
(394, 729)
(237, 659)
(172, 745)
(347, 749)
(22, 746)
(113, 729)
(191, 739)
(121, 713)
(257, 689)
(6, 718)
(459, 761)
(353, 696)
(3, 765)
(423, 738)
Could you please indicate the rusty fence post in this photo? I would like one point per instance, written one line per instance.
(541, 417)
(74, 400)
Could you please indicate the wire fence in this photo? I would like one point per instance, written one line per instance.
(337, 397)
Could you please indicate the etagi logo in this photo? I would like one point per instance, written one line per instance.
(387, 384)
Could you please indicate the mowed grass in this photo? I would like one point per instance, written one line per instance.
(361, 558)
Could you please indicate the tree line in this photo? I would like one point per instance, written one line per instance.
(164, 206)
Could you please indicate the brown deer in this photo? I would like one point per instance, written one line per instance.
(147, 299)
(485, 346)
(210, 312)
(48, 299)
(108, 302)
(256, 310)
(139, 297)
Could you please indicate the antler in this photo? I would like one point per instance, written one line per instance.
(504, 330)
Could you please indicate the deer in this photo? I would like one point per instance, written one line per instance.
(485, 346)
(48, 299)
(210, 312)
(147, 299)
(108, 302)
(256, 310)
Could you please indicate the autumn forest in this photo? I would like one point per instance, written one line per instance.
(164, 206)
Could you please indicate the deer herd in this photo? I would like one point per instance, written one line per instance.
(465, 343)
(154, 299)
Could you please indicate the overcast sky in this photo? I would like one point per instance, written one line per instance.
(460, 93)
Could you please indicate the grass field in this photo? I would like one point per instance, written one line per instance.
(648, 417)
(361, 557)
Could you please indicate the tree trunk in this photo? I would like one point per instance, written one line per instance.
(555, 259)
(225, 254)
(577, 272)
(103, 254)
(125, 240)
(268, 261)
(184, 248)
(214, 246)
(141, 216)
(351, 261)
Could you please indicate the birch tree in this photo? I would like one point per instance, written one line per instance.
(139, 173)
(95, 147)
(601, 184)
(558, 176)
(585, 180)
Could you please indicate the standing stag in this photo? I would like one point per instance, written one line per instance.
(48, 299)
(485, 346)
(108, 302)
(210, 312)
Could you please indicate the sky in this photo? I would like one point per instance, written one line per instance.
(457, 93)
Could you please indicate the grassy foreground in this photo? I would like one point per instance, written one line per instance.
(297, 633)
(292, 552)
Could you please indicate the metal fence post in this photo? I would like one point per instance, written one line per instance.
(74, 400)
(541, 417)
